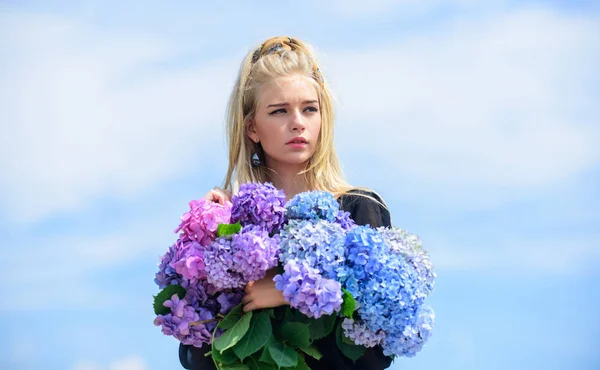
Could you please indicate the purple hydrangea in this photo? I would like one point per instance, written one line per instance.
(318, 243)
(259, 204)
(309, 292)
(188, 259)
(200, 223)
(229, 299)
(166, 274)
(201, 301)
(254, 252)
(344, 220)
(360, 334)
(246, 256)
(313, 205)
(179, 322)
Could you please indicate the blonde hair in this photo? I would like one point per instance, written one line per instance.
(280, 57)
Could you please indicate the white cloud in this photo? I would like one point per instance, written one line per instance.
(473, 110)
(133, 362)
(500, 106)
(86, 115)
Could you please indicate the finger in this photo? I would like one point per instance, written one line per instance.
(222, 196)
(247, 299)
(249, 287)
(250, 306)
(215, 196)
(210, 195)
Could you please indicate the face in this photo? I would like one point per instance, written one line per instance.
(287, 121)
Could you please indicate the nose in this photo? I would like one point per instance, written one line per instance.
(297, 121)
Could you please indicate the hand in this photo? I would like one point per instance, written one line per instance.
(263, 294)
(218, 195)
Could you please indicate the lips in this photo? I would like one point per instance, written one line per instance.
(297, 140)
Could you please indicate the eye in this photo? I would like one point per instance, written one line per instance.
(312, 109)
(278, 111)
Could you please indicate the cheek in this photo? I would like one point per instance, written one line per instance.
(271, 132)
(316, 127)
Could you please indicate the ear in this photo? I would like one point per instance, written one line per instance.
(251, 131)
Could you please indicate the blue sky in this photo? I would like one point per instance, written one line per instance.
(477, 122)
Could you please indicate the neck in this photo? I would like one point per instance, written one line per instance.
(287, 179)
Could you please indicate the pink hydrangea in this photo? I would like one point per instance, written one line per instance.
(200, 223)
(189, 259)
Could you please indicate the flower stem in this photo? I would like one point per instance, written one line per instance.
(203, 321)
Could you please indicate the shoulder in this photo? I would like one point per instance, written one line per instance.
(365, 207)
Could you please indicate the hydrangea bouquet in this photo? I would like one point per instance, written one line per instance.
(366, 284)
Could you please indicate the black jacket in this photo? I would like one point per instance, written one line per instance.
(363, 211)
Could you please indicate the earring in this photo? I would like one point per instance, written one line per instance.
(255, 160)
(255, 157)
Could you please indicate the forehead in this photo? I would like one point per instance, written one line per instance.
(290, 89)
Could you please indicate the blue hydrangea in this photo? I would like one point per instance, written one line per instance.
(259, 204)
(313, 205)
(309, 292)
(364, 252)
(409, 341)
(389, 291)
(409, 246)
(318, 243)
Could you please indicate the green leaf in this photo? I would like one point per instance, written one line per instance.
(256, 337)
(292, 315)
(265, 356)
(165, 295)
(230, 337)
(225, 358)
(228, 229)
(347, 340)
(280, 311)
(296, 334)
(349, 304)
(352, 351)
(300, 366)
(232, 317)
(254, 364)
(313, 352)
(234, 367)
(321, 327)
(283, 355)
(270, 312)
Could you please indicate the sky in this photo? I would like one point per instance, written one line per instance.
(478, 123)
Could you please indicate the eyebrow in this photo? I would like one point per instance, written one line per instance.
(286, 104)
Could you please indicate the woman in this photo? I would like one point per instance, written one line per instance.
(280, 130)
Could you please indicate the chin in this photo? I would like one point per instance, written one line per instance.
(295, 161)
